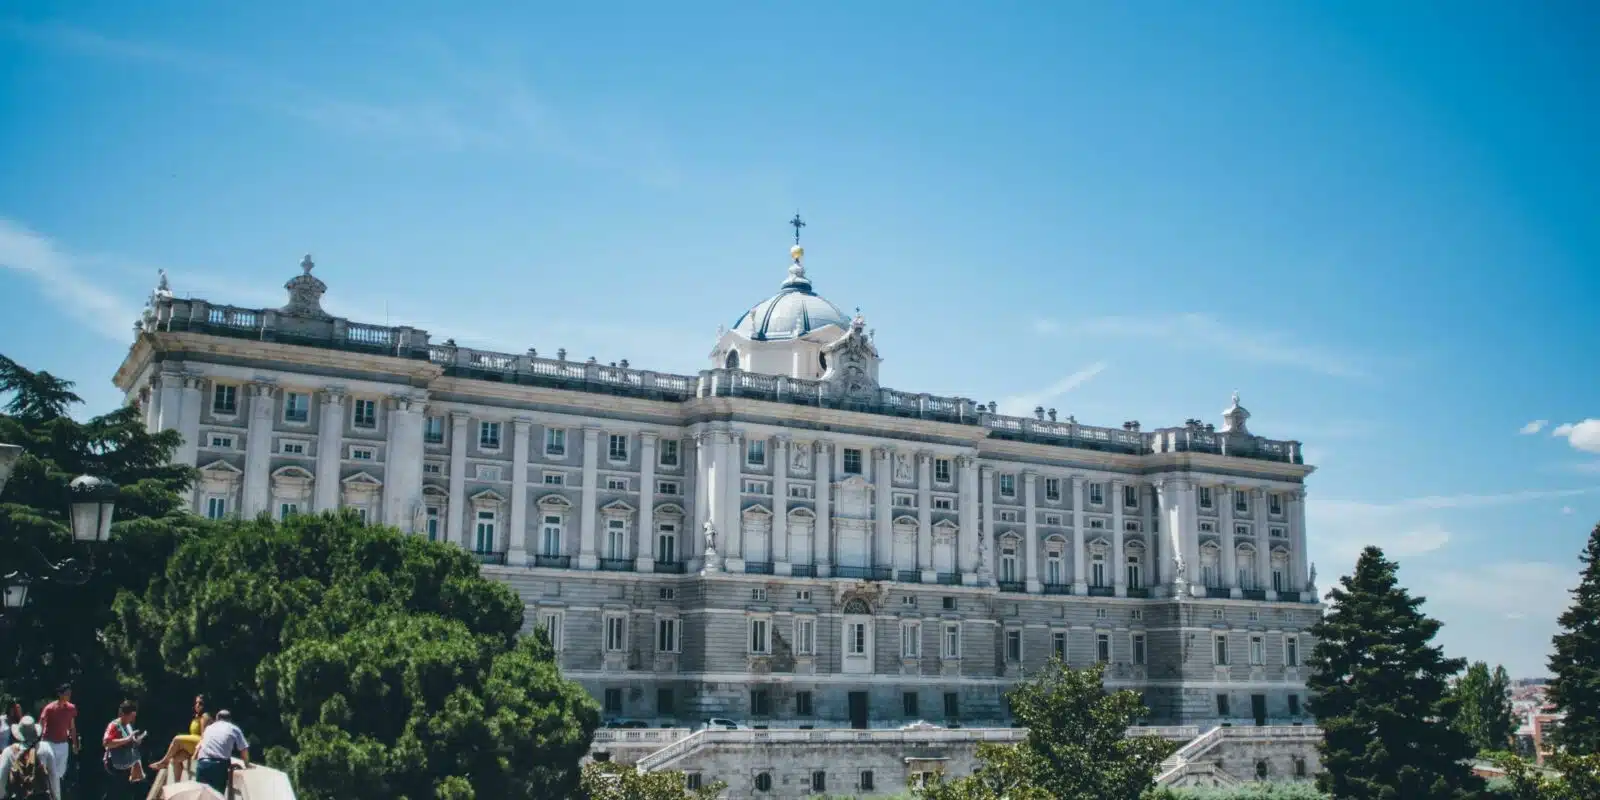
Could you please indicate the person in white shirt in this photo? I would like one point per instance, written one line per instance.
(214, 756)
(22, 739)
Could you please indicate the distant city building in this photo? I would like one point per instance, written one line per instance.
(779, 539)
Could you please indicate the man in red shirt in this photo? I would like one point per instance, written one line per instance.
(60, 722)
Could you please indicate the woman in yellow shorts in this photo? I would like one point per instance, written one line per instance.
(183, 746)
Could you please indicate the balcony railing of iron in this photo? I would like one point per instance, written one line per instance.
(1218, 591)
(1058, 588)
(864, 573)
(1289, 597)
(498, 559)
(669, 567)
(1102, 591)
(1138, 591)
(616, 564)
(561, 562)
(948, 578)
(909, 576)
(1012, 586)
(1255, 594)
(803, 571)
(758, 567)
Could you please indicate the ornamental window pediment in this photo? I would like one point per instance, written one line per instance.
(757, 512)
(617, 509)
(487, 499)
(554, 503)
(905, 521)
(1099, 546)
(669, 510)
(802, 514)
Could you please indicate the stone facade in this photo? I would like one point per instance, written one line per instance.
(792, 546)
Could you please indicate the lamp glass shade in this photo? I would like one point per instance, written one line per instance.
(15, 587)
(93, 504)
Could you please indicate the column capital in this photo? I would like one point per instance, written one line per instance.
(459, 416)
(193, 382)
(781, 440)
(822, 445)
(591, 431)
(924, 456)
(1297, 494)
(1029, 477)
(334, 395)
(521, 423)
(964, 461)
(262, 389)
(986, 472)
(408, 405)
(1118, 483)
(1077, 479)
(880, 452)
(648, 438)
(1259, 492)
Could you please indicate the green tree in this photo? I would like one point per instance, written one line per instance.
(1379, 692)
(1576, 661)
(366, 663)
(612, 781)
(1483, 707)
(1077, 745)
(1249, 791)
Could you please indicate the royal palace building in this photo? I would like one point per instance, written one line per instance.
(779, 539)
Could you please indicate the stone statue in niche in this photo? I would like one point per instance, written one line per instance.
(902, 467)
(800, 458)
(712, 563)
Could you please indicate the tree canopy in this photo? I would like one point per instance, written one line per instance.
(368, 664)
(1483, 707)
(1380, 694)
(1575, 663)
(609, 780)
(1077, 747)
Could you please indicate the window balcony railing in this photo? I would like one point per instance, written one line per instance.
(560, 562)
(1013, 586)
(1139, 591)
(485, 557)
(948, 578)
(758, 567)
(1289, 597)
(1218, 591)
(1058, 588)
(1255, 594)
(669, 567)
(909, 576)
(1102, 591)
(803, 571)
(864, 573)
(616, 565)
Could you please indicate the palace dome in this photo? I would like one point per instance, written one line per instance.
(793, 312)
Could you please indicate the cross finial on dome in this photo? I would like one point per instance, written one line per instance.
(307, 264)
(797, 223)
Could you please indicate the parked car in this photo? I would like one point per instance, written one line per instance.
(627, 723)
(721, 724)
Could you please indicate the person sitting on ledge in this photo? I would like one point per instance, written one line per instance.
(214, 758)
(184, 745)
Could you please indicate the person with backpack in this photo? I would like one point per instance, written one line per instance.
(25, 767)
(122, 760)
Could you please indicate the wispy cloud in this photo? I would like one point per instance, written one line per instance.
(1533, 427)
(1583, 435)
(1025, 402)
(1453, 501)
(1506, 610)
(59, 276)
(1566, 510)
(1205, 333)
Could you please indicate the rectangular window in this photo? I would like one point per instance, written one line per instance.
(1207, 527)
(488, 436)
(362, 454)
(433, 430)
(1130, 497)
(802, 704)
(555, 442)
(1222, 705)
(613, 701)
(1258, 651)
(858, 638)
(667, 593)
(617, 447)
(941, 470)
(819, 782)
(667, 635)
(287, 510)
(550, 622)
(691, 781)
(943, 504)
(616, 539)
(805, 636)
(800, 491)
(291, 447)
(1291, 651)
(1294, 705)
(365, 414)
(1008, 516)
(949, 603)
(224, 399)
(910, 640)
(803, 595)
(908, 704)
(485, 532)
(1052, 519)
(1008, 485)
(1241, 530)
(760, 643)
(667, 453)
(488, 472)
(1058, 645)
(666, 703)
(433, 468)
(1052, 489)
(296, 407)
(1241, 502)
(555, 479)
(1013, 645)
(1097, 494)
(616, 634)
(952, 705)
(667, 488)
(759, 595)
(756, 487)
(905, 500)
(430, 522)
(760, 702)
(616, 484)
(1219, 650)
(1274, 503)
(866, 780)
(550, 535)
(1276, 533)
(755, 453)
(216, 508)
(852, 461)
(1138, 649)
(220, 442)
(1102, 647)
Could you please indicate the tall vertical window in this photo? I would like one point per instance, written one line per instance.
(1008, 485)
(852, 461)
(908, 704)
(1219, 650)
(805, 636)
(952, 705)
(1241, 502)
(911, 640)
(365, 413)
(755, 452)
(667, 452)
(431, 523)
(1135, 573)
(1277, 578)
(555, 442)
(616, 633)
(224, 399)
(433, 430)
(296, 407)
(857, 638)
(1052, 489)
(1097, 494)
(1097, 569)
(1008, 563)
(1291, 651)
(550, 535)
(489, 436)
(1138, 649)
(287, 510)
(216, 508)
(617, 447)
(667, 635)
(616, 538)
(550, 621)
(1205, 496)
(667, 542)
(1054, 568)
(760, 641)
(1102, 647)
(1130, 496)
(1258, 650)
(1058, 645)
(485, 533)
(1274, 503)
(802, 704)
(941, 470)
(951, 647)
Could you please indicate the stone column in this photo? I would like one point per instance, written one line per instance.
(1295, 510)
(402, 469)
(823, 536)
(925, 517)
(883, 535)
(189, 422)
(1258, 508)
(1189, 505)
(1171, 532)
(967, 513)
(694, 545)
(257, 449)
(455, 525)
(330, 441)
(1119, 556)
(169, 405)
(986, 515)
(1230, 570)
(587, 558)
(644, 549)
(781, 565)
(1030, 531)
(1149, 514)
(733, 500)
(1080, 553)
(521, 433)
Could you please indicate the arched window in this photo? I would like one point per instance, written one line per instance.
(1261, 770)
(857, 606)
(764, 782)
(732, 362)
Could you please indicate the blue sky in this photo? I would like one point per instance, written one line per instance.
(1375, 222)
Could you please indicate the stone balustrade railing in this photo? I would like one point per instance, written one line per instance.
(406, 342)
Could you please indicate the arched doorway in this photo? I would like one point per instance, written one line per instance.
(858, 644)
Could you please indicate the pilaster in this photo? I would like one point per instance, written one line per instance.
(1258, 508)
(587, 515)
(781, 565)
(330, 441)
(644, 550)
(986, 515)
(1080, 553)
(517, 548)
(1230, 569)
(883, 532)
(925, 517)
(402, 468)
(1295, 510)
(189, 421)
(1119, 555)
(823, 461)
(169, 403)
(455, 527)
(967, 537)
(1030, 528)
(258, 448)
(733, 502)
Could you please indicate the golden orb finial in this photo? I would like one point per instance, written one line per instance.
(797, 252)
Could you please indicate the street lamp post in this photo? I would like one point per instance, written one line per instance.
(93, 504)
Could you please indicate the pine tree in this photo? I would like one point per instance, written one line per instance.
(1483, 707)
(1576, 662)
(1380, 694)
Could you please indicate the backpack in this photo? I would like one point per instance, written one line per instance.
(26, 777)
(122, 759)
